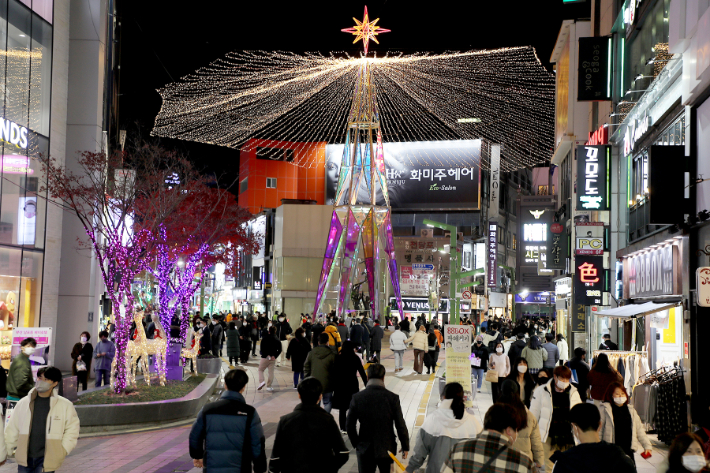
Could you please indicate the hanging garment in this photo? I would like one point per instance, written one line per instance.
(643, 367)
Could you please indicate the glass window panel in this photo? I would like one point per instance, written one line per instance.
(43, 8)
(3, 49)
(10, 281)
(32, 210)
(40, 75)
(13, 180)
(18, 63)
(30, 289)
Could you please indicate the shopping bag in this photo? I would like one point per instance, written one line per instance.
(80, 366)
(475, 361)
(492, 376)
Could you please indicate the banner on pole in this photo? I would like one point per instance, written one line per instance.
(495, 182)
(457, 340)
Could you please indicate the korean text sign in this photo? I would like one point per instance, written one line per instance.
(457, 341)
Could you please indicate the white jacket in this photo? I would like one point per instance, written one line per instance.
(541, 406)
(639, 440)
(62, 430)
(563, 348)
(438, 435)
(397, 341)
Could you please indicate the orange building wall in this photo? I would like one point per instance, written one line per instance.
(292, 182)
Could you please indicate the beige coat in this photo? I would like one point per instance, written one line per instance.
(419, 341)
(62, 430)
(639, 439)
(529, 442)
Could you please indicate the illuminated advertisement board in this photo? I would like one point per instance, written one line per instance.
(535, 230)
(421, 175)
(590, 280)
(592, 177)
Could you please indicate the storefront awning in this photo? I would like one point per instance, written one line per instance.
(636, 310)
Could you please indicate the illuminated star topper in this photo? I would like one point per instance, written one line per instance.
(365, 30)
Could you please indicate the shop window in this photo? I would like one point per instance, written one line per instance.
(271, 183)
(30, 289)
(515, 241)
(243, 185)
(11, 284)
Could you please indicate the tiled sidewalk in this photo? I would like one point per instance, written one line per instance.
(166, 451)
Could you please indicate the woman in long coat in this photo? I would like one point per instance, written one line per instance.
(347, 367)
(297, 351)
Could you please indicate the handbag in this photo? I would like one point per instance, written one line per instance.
(475, 361)
(492, 376)
(80, 366)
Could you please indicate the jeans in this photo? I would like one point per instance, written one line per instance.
(81, 379)
(265, 364)
(102, 374)
(34, 465)
(296, 376)
(480, 374)
(328, 402)
(398, 359)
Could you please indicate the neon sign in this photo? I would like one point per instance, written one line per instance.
(634, 132)
(16, 164)
(592, 177)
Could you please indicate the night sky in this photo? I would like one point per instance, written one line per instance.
(163, 41)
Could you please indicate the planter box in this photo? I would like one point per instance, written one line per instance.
(209, 365)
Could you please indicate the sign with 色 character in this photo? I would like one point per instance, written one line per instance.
(590, 279)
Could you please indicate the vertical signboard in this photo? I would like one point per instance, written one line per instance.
(457, 340)
(494, 208)
(557, 246)
(592, 177)
(579, 318)
(703, 284)
(594, 81)
(589, 279)
(492, 253)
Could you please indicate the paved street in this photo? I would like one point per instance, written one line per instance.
(166, 450)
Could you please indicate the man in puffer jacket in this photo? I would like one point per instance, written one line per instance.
(398, 344)
(225, 429)
(55, 424)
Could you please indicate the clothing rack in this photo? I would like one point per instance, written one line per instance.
(620, 352)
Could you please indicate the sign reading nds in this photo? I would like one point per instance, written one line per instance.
(592, 177)
(11, 132)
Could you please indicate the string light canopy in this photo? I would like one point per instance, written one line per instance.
(504, 96)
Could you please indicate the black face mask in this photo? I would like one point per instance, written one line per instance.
(542, 380)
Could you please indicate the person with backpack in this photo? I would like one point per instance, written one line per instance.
(334, 339)
(227, 434)
(319, 364)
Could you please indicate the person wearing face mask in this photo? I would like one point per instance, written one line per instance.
(621, 425)
(551, 404)
(104, 355)
(493, 446)
(526, 383)
(498, 361)
(685, 455)
(206, 339)
(82, 352)
(591, 454)
(19, 378)
(535, 354)
(44, 427)
(479, 364)
(601, 376)
(283, 330)
(528, 440)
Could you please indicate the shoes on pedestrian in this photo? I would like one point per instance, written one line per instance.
(344, 432)
(269, 389)
(295, 387)
(264, 384)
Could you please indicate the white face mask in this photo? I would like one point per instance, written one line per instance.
(522, 369)
(281, 319)
(269, 324)
(499, 350)
(28, 350)
(42, 386)
(562, 385)
(619, 401)
(83, 339)
(693, 462)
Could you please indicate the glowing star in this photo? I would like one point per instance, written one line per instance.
(365, 30)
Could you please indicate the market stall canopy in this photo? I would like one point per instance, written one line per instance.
(636, 310)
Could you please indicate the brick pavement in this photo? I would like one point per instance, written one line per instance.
(166, 450)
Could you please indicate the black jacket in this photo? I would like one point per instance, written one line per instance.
(404, 326)
(270, 347)
(582, 369)
(379, 412)
(295, 436)
(297, 352)
(357, 335)
(346, 369)
(593, 458)
(482, 353)
(283, 329)
(608, 345)
(376, 335)
(233, 343)
(317, 330)
(217, 335)
(515, 350)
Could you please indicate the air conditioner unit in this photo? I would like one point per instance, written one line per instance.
(427, 233)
